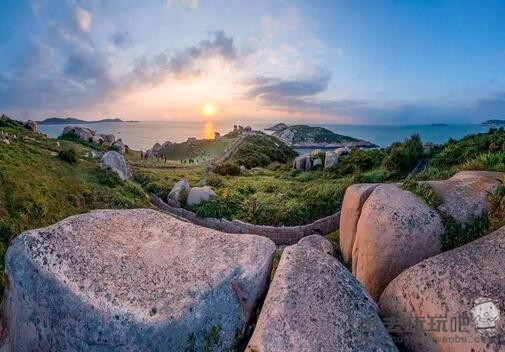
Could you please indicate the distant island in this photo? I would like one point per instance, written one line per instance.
(439, 124)
(493, 123)
(74, 121)
(303, 136)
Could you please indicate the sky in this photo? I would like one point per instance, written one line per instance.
(353, 62)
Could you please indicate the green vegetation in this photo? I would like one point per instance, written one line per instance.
(260, 151)
(227, 169)
(69, 155)
(456, 235)
(403, 157)
(304, 133)
(423, 191)
(38, 188)
(496, 213)
(197, 151)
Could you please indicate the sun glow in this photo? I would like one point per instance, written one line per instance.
(208, 109)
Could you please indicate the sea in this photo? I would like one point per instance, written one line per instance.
(142, 135)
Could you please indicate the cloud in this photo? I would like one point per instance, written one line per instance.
(183, 63)
(191, 4)
(121, 39)
(83, 19)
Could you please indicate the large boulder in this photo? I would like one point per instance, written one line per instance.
(315, 304)
(330, 159)
(314, 154)
(82, 133)
(119, 146)
(156, 148)
(198, 195)
(354, 198)
(97, 139)
(464, 196)
(302, 162)
(396, 230)
(461, 290)
(31, 125)
(131, 280)
(342, 151)
(317, 242)
(108, 138)
(175, 195)
(115, 161)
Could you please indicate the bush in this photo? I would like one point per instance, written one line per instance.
(423, 191)
(227, 169)
(109, 178)
(215, 181)
(69, 155)
(358, 161)
(225, 205)
(403, 157)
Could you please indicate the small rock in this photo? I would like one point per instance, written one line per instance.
(199, 194)
(318, 242)
(174, 197)
(6, 141)
(115, 161)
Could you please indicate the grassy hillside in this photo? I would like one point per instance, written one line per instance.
(38, 188)
(261, 150)
(199, 151)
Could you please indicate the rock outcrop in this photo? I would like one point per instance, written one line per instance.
(395, 230)
(115, 161)
(354, 198)
(464, 195)
(31, 125)
(175, 195)
(82, 133)
(330, 159)
(200, 194)
(131, 280)
(119, 146)
(315, 304)
(302, 162)
(459, 289)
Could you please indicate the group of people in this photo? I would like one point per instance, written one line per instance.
(145, 156)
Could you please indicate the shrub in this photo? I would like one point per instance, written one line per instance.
(227, 169)
(423, 191)
(403, 157)
(358, 161)
(215, 181)
(109, 178)
(69, 155)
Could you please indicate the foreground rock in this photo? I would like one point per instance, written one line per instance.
(175, 196)
(464, 196)
(315, 304)
(395, 231)
(198, 195)
(131, 280)
(115, 161)
(354, 198)
(459, 287)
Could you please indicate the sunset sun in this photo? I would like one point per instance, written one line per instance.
(208, 109)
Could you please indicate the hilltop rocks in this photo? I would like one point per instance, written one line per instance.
(108, 138)
(302, 162)
(119, 146)
(354, 198)
(115, 161)
(464, 195)
(131, 280)
(278, 127)
(31, 125)
(174, 197)
(330, 159)
(395, 231)
(315, 304)
(96, 139)
(342, 151)
(198, 195)
(455, 288)
(81, 132)
(156, 148)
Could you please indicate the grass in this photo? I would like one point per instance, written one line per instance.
(198, 151)
(37, 188)
(423, 191)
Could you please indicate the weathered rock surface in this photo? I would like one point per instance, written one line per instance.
(97, 139)
(330, 159)
(354, 198)
(315, 304)
(464, 196)
(115, 161)
(119, 146)
(302, 162)
(199, 194)
(156, 148)
(318, 242)
(174, 197)
(131, 280)
(342, 151)
(109, 138)
(396, 230)
(447, 286)
(31, 125)
(83, 133)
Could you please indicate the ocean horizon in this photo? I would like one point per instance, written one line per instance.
(142, 135)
